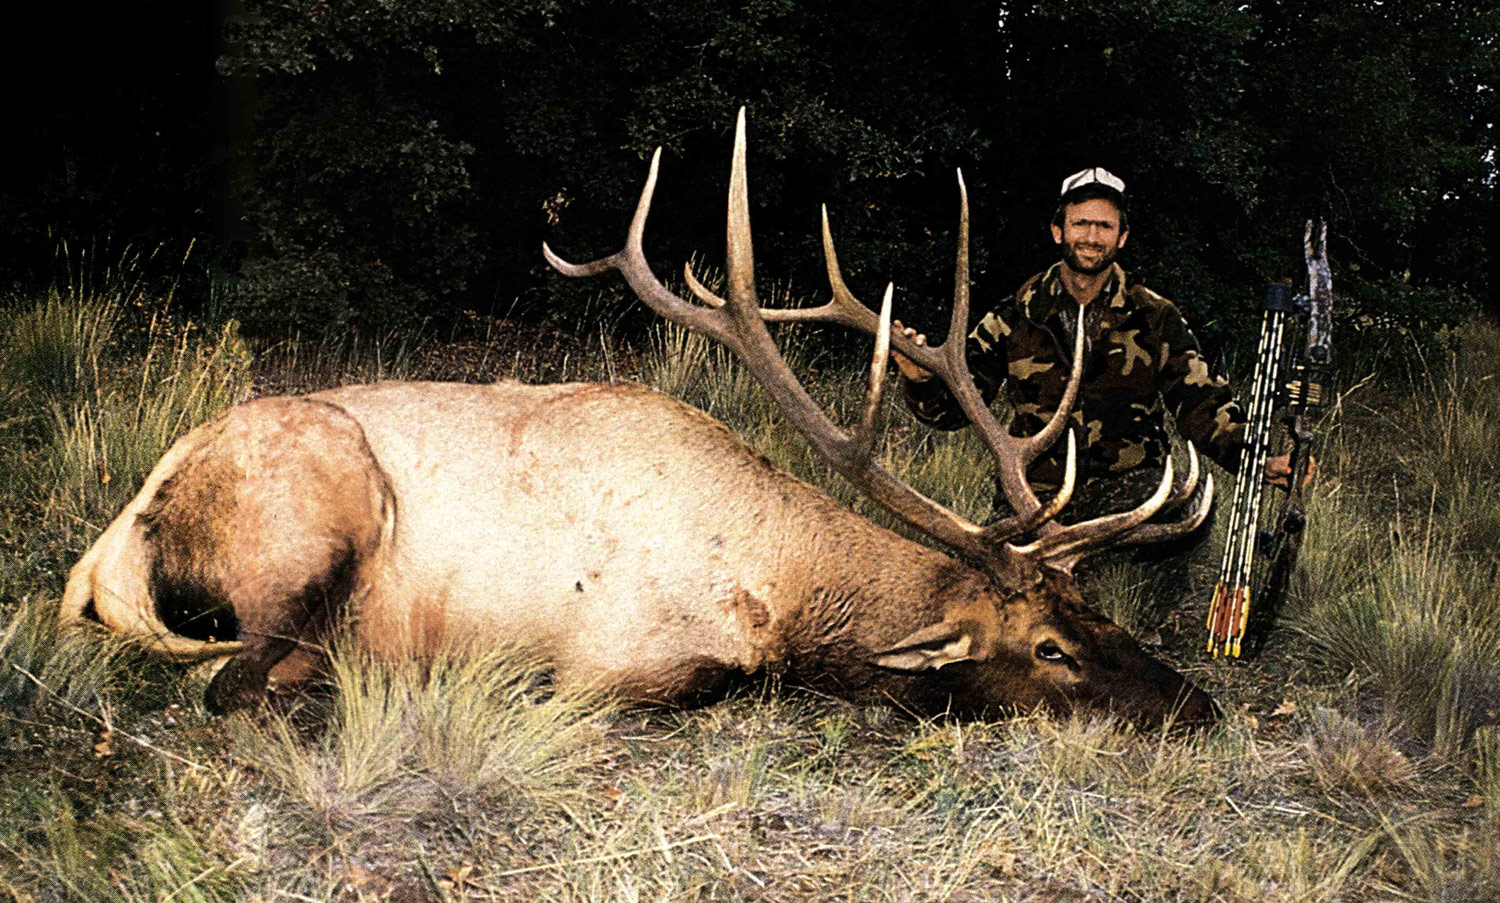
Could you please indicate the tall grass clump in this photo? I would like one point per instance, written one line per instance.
(59, 347)
(104, 377)
(1423, 628)
(466, 728)
(492, 728)
(1458, 414)
(1400, 579)
(101, 448)
(41, 665)
(53, 349)
(699, 371)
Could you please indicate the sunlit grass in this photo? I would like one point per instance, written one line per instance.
(478, 727)
(102, 449)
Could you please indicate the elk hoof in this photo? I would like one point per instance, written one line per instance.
(234, 687)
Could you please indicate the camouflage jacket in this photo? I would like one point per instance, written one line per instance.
(1141, 361)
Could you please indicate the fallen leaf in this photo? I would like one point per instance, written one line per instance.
(104, 747)
(358, 877)
(1003, 863)
(1473, 802)
(1286, 708)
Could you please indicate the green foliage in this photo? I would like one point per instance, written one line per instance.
(367, 238)
(412, 155)
(282, 38)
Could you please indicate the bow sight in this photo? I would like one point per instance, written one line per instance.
(1290, 378)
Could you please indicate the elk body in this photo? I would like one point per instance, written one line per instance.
(632, 541)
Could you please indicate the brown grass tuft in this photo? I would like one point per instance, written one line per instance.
(1347, 757)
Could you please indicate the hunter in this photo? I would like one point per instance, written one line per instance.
(1142, 361)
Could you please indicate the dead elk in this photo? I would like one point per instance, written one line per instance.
(632, 541)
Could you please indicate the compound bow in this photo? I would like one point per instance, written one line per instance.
(1290, 377)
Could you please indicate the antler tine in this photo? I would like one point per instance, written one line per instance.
(958, 324)
(1025, 521)
(1189, 484)
(843, 309)
(1147, 533)
(699, 289)
(630, 262)
(863, 441)
(1050, 433)
(739, 256)
(1062, 546)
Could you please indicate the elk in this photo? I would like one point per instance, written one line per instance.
(630, 540)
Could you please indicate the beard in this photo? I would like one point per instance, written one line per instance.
(1103, 262)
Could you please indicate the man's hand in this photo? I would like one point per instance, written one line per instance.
(909, 368)
(1279, 471)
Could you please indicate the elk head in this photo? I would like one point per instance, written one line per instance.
(1015, 632)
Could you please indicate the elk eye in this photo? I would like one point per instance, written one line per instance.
(1050, 651)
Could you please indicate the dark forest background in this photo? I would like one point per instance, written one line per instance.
(338, 163)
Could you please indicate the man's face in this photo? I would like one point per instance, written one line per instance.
(1090, 236)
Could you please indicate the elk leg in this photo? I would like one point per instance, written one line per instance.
(299, 666)
(274, 640)
(241, 683)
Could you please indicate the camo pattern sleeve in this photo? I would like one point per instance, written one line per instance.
(932, 403)
(1201, 402)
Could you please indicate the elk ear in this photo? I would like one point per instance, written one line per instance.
(932, 647)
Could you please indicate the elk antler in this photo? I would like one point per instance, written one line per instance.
(738, 322)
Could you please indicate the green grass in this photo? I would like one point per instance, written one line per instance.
(42, 666)
(1358, 759)
(1399, 586)
(99, 451)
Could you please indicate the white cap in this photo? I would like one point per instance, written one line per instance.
(1091, 175)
